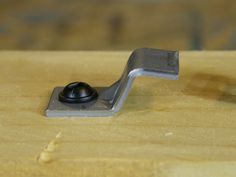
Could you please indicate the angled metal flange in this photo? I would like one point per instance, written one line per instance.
(142, 62)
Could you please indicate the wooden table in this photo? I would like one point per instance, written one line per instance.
(165, 129)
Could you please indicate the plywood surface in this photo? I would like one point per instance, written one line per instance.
(165, 129)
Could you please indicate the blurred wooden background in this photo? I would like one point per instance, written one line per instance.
(117, 25)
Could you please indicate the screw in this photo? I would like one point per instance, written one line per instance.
(78, 92)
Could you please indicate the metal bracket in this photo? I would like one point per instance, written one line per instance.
(142, 62)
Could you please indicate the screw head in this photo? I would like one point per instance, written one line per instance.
(78, 92)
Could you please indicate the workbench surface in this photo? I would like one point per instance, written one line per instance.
(165, 129)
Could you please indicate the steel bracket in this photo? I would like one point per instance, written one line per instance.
(142, 62)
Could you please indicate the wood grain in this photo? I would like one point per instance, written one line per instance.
(166, 128)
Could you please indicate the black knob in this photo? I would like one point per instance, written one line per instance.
(78, 92)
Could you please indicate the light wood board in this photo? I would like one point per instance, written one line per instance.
(165, 129)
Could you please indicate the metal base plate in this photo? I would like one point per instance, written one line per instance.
(97, 108)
